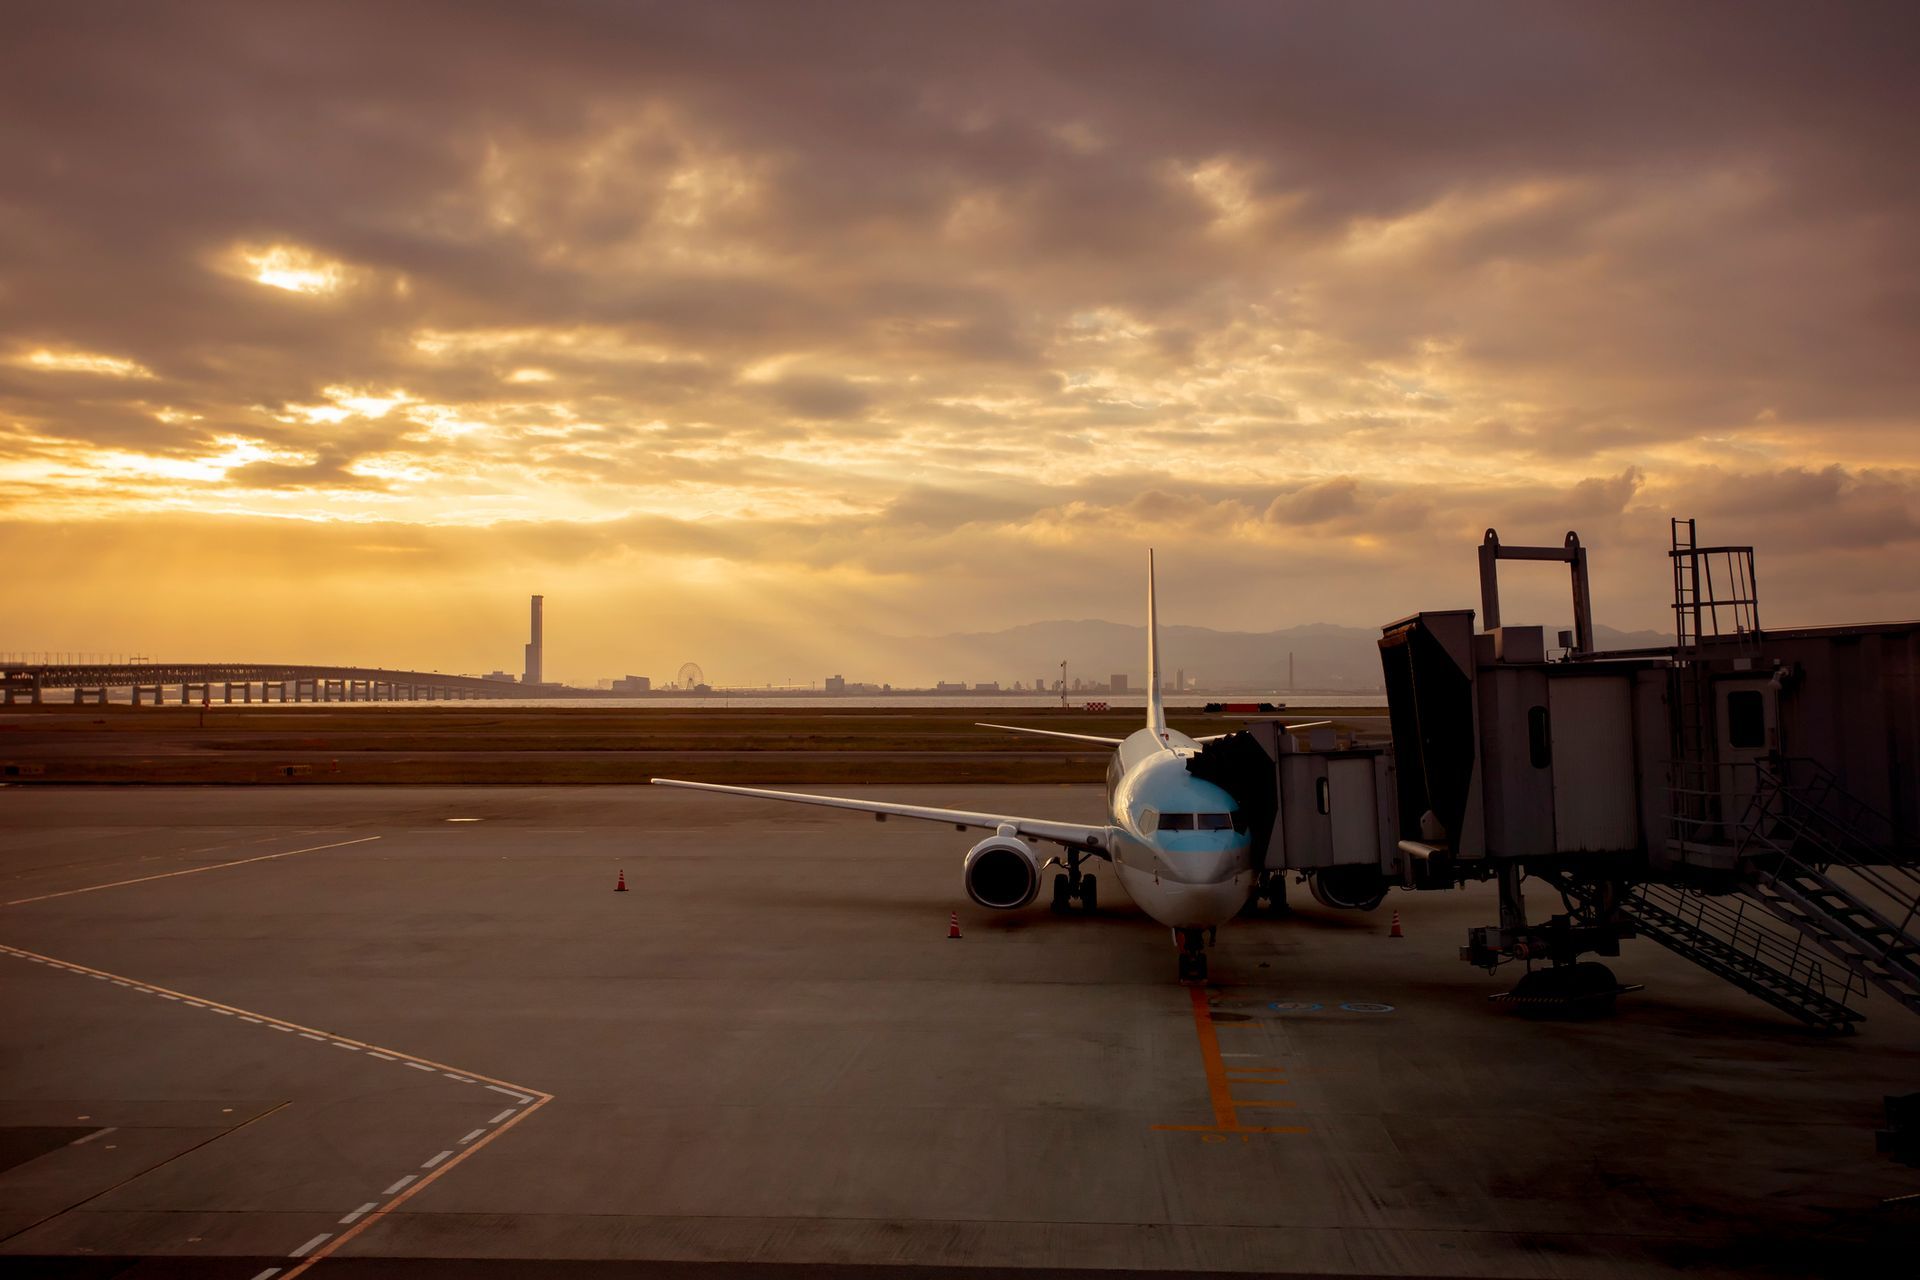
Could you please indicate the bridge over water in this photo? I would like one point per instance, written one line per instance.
(190, 682)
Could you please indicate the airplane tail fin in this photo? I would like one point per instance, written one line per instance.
(1156, 710)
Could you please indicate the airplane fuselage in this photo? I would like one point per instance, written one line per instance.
(1178, 844)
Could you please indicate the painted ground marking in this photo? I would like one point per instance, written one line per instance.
(1219, 1091)
(324, 1245)
(189, 871)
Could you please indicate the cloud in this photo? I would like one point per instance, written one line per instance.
(865, 298)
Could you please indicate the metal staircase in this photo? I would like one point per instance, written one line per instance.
(1727, 939)
(1799, 839)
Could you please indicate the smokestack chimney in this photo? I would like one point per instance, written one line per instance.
(537, 646)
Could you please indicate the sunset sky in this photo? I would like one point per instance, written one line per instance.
(757, 335)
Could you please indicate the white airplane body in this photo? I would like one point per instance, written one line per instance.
(1177, 843)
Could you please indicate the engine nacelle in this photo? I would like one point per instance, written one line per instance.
(1350, 888)
(1002, 872)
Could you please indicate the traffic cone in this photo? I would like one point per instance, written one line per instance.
(953, 925)
(620, 885)
(1395, 931)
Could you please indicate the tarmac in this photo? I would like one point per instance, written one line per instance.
(370, 1032)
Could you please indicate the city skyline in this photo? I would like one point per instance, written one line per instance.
(768, 337)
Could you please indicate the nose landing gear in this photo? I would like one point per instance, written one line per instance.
(1193, 955)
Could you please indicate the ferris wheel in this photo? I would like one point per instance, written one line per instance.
(691, 676)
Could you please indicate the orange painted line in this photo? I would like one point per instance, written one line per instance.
(1241, 1102)
(1203, 1027)
(190, 871)
(1228, 1128)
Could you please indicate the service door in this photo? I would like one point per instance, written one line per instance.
(1746, 714)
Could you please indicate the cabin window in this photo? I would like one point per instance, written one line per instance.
(1539, 738)
(1746, 719)
(1323, 795)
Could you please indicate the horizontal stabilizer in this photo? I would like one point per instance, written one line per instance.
(1049, 733)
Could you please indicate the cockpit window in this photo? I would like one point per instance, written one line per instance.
(1202, 822)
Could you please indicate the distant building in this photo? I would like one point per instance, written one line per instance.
(1040, 685)
(501, 676)
(950, 686)
(536, 647)
(1179, 681)
(991, 686)
(836, 684)
(633, 684)
(1118, 684)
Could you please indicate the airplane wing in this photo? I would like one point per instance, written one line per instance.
(1050, 733)
(1080, 834)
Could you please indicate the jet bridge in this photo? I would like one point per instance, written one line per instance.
(1747, 798)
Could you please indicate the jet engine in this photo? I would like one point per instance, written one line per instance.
(1350, 888)
(1002, 872)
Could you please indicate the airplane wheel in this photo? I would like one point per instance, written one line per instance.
(1193, 966)
(1089, 894)
(1062, 895)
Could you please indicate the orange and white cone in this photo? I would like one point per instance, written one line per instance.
(1395, 931)
(620, 885)
(953, 925)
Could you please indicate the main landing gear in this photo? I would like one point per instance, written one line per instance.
(1193, 955)
(1075, 887)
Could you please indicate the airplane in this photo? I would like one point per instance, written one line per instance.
(1178, 845)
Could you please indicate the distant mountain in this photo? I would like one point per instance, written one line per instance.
(1324, 656)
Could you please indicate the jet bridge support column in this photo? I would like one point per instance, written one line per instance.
(1513, 905)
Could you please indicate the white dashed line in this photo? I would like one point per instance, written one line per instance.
(311, 1245)
(318, 1248)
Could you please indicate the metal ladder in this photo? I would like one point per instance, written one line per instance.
(1796, 835)
(1723, 937)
